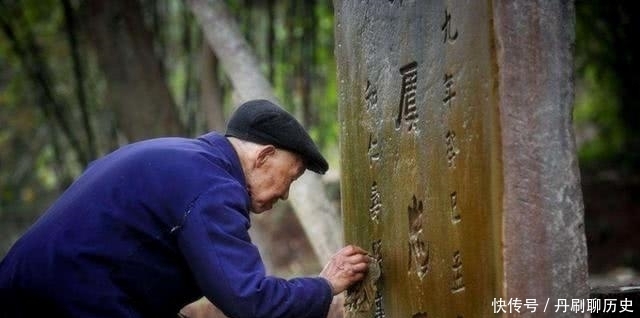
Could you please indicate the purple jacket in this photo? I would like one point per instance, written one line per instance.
(146, 230)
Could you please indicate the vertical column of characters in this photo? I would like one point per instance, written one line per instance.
(450, 36)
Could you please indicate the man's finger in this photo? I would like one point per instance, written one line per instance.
(351, 250)
(360, 267)
(357, 259)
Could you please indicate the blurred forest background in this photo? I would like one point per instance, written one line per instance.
(80, 78)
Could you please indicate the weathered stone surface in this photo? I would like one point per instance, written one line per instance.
(542, 202)
(458, 163)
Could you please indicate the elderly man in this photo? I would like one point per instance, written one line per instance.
(159, 223)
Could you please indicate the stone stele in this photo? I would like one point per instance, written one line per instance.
(459, 170)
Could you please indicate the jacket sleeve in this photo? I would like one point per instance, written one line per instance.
(215, 242)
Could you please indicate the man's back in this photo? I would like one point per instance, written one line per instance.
(107, 246)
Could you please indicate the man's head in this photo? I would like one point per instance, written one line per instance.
(274, 150)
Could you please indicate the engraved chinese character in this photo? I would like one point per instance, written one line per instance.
(407, 109)
(376, 205)
(373, 150)
(363, 295)
(379, 313)
(371, 96)
(446, 29)
(458, 281)
(449, 93)
(455, 214)
(376, 250)
(418, 249)
(452, 150)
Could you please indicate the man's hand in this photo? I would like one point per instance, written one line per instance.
(346, 267)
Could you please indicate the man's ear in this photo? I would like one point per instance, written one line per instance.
(264, 153)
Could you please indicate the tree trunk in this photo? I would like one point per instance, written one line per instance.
(78, 72)
(138, 92)
(317, 215)
(242, 66)
(233, 52)
(210, 95)
(38, 71)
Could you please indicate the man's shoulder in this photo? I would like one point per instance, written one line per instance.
(173, 153)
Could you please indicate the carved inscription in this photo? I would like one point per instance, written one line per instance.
(407, 110)
(374, 149)
(376, 205)
(449, 92)
(371, 96)
(379, 313)
(458, 280)
(376, 251)
(455, 214)
(418, 249)
(363, 295)
(371, 102)
(452, 149)
(449, 35)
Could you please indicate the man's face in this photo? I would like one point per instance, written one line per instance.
(275, 170)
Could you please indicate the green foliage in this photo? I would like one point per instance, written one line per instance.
(606, 119)
(293, 39)
(597, 119)
(300, 52)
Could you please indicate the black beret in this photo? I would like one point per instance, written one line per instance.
(263, 122)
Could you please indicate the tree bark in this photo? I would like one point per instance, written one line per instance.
(233, 52)
(78, 72)
(210, 95)
(38, 71)
(318, 216)
(138, 92)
